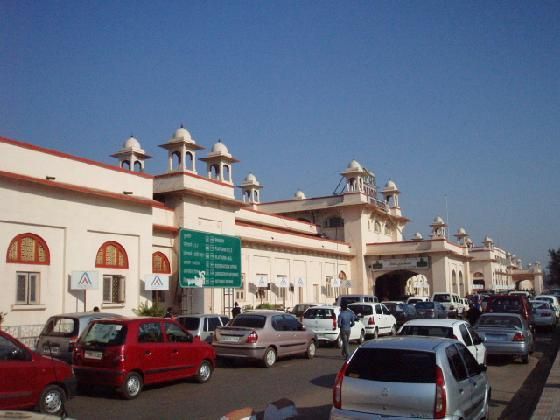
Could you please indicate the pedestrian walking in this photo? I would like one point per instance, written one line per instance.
(473, 314)
(346, 320)
(236, 310)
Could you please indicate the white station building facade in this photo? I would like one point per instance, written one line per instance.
(76, 233)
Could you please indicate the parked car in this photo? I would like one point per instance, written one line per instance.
(128, 353)
(30, 380)
(61, 332)
(520, 293)
(348, 299)
(544, 314)
(322, 320)
(264, 335)
(202, 325)
(456, 329)
(506, 334)
(402, 312)
(376, 318)
(299, 309)
(451, 302)
(411, 377)
(553, 300)
(518, 304)
(433, 310)
(415, 299)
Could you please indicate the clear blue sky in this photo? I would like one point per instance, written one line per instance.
(451, 99)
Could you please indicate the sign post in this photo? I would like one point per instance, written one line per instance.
(84, 280)
(209, 260)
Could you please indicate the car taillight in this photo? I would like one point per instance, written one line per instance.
(454, 337)
(72, 344)
(337, 389)
(518, 337)
(371, 321)
(252, 337)
(334, 322)
(440, 405)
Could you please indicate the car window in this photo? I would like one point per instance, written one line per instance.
(349, 299)
(464, 333)
(105, 334)
(458, 368)
(248, 320)
(7, 349)
(425, 305)
(190, 323)
(431, 330)
(392, 365)
(378, 309)
(150, 332)
(212, 322)
(176, 334)
(318, 313)
(61, 327)
(279, 324)
(442, 298)
(224, 320)
(291, 322)
(475, 337)
(361, 309)
(470, 362)
(385, 310)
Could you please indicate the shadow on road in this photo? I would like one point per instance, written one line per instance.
(325, 381)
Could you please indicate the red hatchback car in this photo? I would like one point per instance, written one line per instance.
(29, 380)
(127, 353)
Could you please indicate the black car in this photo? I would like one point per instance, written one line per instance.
(433, 310)
(402, 312)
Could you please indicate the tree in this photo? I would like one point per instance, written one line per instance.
(554, 266)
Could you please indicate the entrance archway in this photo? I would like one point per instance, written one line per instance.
(392, 285)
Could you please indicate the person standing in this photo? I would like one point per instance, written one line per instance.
(346, 320)
(236, 310)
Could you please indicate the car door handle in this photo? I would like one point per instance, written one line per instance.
(147, 352)
(461, 391)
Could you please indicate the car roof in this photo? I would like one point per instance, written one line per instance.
(264, 312)
(502, 314)
(406, 342)
(328, 306)
(87, 315)
(435, 322)
(199, 315)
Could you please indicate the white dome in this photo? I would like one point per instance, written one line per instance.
(250, 178)
(131, 143)
(488, 239)
(299, 195)
(417, 236)
(220, 148)
(438, 220)
(391, 185)
(355, 166)
(461, 231)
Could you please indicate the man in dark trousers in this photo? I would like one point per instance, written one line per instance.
(473, 314)
(346, 320)
(236, 310)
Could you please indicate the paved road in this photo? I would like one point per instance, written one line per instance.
(516, 388)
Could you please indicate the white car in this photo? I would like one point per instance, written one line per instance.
(553, 300)
(322, 320)
(376, 318)
(456, 329)
(415, 299)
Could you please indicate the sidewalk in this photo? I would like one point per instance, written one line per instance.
(548, 407)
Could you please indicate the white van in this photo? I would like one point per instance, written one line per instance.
(451, 302)
(322, 320)
(348, 299)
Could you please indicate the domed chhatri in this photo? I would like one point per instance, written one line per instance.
(391, 194)
(299, 195)
(219, 163)
(182, 135)
(250, 189)
(219, 149)
(355, 166)
(439, 228)
(181, 151)
(131, 156)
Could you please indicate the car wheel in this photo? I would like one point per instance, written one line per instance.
(204, 372)
(269, 357)
(132, 386)
(362, 337)
(525, 359)
(393, 330)
(338, 342)
(311, 349)
(52, 400)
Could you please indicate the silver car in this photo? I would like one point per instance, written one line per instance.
(264, 336)
(61, 332)
(411, 377)
(544, 314)
(506, 334)
(202, 325)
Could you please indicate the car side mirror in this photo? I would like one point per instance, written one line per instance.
(483, 367)
(301, 327)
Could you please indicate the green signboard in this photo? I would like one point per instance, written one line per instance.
(209, 260)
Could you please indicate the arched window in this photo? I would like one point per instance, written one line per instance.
(111, 255)
(160, 263)
(28, 248)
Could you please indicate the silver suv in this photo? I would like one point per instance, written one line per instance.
(411, 377)
(203, 325)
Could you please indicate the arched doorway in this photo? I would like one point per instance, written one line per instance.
(392, 285)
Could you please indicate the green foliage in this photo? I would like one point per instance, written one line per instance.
(270, 306)
(554, 266)
(145, 309)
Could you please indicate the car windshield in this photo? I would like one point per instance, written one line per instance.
(505, 304)
(425, 305)
(442, 298)
(360, 309)
(541, 305)
(319, 313)
(61, 327)
(499, 321)
(392, 365)
(190, 323)
(248, 320)
(104, 334)
(428, 330)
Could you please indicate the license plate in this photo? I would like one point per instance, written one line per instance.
(51, 350)
(496, 337)
(230, 339)
(96, 355)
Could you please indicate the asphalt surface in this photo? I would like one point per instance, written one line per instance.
(308, 383)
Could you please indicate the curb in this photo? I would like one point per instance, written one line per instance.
(548, 407)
